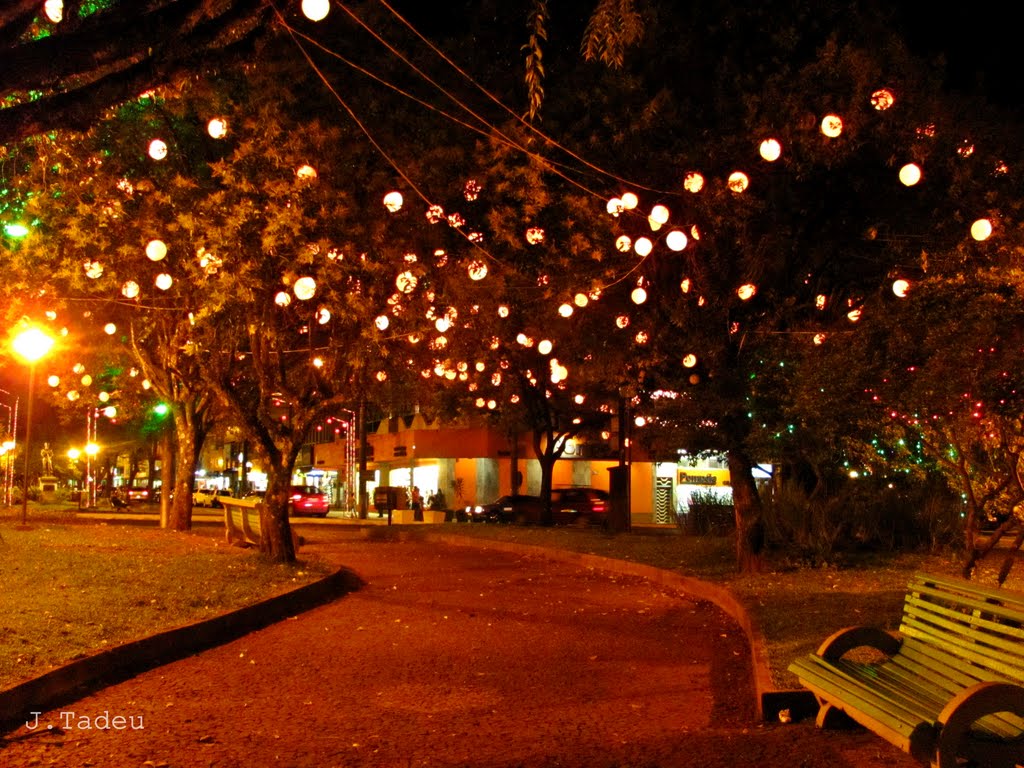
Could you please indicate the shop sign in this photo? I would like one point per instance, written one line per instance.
(687, 478)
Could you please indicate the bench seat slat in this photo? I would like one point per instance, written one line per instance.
(847, 677)
(896, 723)
(898, 679)
(978, 626)
(891, 699)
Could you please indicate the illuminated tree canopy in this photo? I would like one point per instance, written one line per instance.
(287, 237)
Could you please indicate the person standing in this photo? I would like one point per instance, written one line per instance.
(417, 504)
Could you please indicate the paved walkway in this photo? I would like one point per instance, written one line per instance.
(452, 656)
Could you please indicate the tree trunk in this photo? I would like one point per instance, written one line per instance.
(180, 518)
(748, 512)
(546, 457)
(276, 540)
(167, 475)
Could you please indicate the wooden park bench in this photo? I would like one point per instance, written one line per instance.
(950, 687)
(242, 520)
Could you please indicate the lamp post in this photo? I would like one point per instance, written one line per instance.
(8, 446)
(74, 455)
(31, 344)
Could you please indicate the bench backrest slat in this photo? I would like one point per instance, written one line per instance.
(1013, 601)
(976, 634)
(963, 632)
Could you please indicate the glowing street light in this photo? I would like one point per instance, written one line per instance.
(32, 344)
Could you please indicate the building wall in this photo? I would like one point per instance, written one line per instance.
(475, 465)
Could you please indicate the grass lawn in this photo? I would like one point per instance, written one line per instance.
(69, 589)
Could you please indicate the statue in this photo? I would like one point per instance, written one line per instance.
(47, 456)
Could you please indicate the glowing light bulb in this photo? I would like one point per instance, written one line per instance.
(910, 174)
(771, 150)
(393, 201)
(832, 126)
(304, 288)
(156, 250)
(981, 229)
(217, 128)
(316, 10)
(158, 149)
(675, 240)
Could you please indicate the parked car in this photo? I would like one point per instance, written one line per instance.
(307, 500)
(209, 497)
(506, 509)
(136, 493)
(579, 505)
(569, 506)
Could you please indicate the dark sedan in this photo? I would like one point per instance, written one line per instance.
(569, 506)
(518, 508)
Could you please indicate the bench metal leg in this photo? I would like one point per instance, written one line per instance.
(831, 717)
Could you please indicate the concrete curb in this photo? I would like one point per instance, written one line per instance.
(79, 678)
(770, 701)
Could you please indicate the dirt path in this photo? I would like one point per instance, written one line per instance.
(452, 656)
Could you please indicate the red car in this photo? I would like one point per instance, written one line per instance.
(306, 500)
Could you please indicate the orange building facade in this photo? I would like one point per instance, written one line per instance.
(466, 464)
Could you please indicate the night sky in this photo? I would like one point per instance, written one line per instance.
(980, 42)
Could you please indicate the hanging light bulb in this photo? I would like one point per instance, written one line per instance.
(304, 288)
(393, 201)
(158, 149)
(910, 174)
(316, 10)
(693, 182)
(217, 128)
(771, 150)
(675, 240)
(156, 250)
(54, 10)
(832, 126)
(981, 229)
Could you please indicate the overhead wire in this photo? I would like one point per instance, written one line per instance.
(493, 131)
(527, 124)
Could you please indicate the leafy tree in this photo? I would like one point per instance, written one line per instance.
(949, 391)
(64, 69)
(815, 235)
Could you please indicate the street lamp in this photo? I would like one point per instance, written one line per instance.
(31, 344)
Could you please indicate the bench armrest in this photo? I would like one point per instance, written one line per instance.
(969, 706)
(837, 645)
